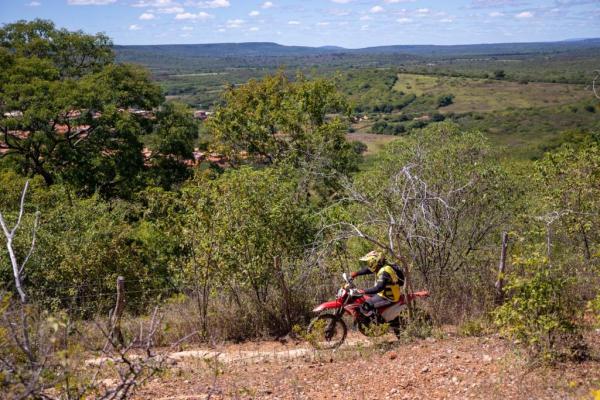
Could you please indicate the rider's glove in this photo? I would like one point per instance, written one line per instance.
(360, 291)
(353, 274)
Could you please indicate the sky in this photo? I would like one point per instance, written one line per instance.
(347, 23)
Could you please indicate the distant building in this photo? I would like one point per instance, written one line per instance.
(202, 114)
(13, 114)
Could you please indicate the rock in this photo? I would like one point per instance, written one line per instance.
(487, 358)
(425, 369)
(455, 380)
(392, 355)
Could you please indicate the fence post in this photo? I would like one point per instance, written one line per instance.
(116, 333)
(501, 268)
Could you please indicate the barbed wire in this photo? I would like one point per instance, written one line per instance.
(79, 297)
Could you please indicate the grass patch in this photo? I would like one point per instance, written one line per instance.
(485, 95)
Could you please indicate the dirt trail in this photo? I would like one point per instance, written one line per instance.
(448, 368)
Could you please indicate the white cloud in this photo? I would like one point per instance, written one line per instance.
(254, 29)
(214, 4)
(134, 27)
(377, 9)
(364, 28)
(201, 15)
(365, 18)
(322, 23)
(403, 20)
(34, 4)
(341, 1)
(90, 2)
(147, 16)
(187, 28)
(423, 10)
(170, 10)
(293, 22)
(398, 1)
(235, 23)
(154, 3)
(267, 4)
(254, 13)
(524, 15)
(495, 14)
(339, 13)
(446, 20)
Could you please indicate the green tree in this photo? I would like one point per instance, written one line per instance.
(569, 181)
(276, 120)
(69, 113)
(234, 227)
(172, 142)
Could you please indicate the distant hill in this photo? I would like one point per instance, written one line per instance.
(249, 49)
(182, 57)
(269, 49)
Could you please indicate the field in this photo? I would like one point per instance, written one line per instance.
(485, 95)
(373, 141)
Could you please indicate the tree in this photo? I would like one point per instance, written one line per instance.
(445, 100)
(235, 227)
(432, 199)
(279, 121)
(569, 180)
(69, 113)
(172, 142)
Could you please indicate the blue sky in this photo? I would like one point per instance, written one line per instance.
(348, 23)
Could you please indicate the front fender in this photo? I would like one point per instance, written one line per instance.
(328, 306)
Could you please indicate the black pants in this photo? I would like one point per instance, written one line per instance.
(376, 301)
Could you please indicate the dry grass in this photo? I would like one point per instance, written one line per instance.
(484, 95)
(373, 141)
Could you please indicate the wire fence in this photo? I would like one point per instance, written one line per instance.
(93, 298)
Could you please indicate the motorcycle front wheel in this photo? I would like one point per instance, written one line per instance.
(326, 332)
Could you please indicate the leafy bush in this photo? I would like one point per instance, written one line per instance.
(445, 100)
(541, 312)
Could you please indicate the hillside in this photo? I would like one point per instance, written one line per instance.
(196, 57)
(270, 49)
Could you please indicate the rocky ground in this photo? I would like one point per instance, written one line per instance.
(449, 367)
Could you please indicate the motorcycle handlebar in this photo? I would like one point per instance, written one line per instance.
(348, 279)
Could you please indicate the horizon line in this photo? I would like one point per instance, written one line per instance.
(360, 48)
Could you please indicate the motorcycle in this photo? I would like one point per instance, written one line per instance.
(328, 329)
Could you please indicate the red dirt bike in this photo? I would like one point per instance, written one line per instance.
(329, 330)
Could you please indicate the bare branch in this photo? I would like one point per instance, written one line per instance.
(32, 247)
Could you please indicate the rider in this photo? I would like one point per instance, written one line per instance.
(390, 279)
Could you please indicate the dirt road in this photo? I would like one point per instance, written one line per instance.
(446, 368)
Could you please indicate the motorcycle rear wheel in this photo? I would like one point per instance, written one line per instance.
(327, 332)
